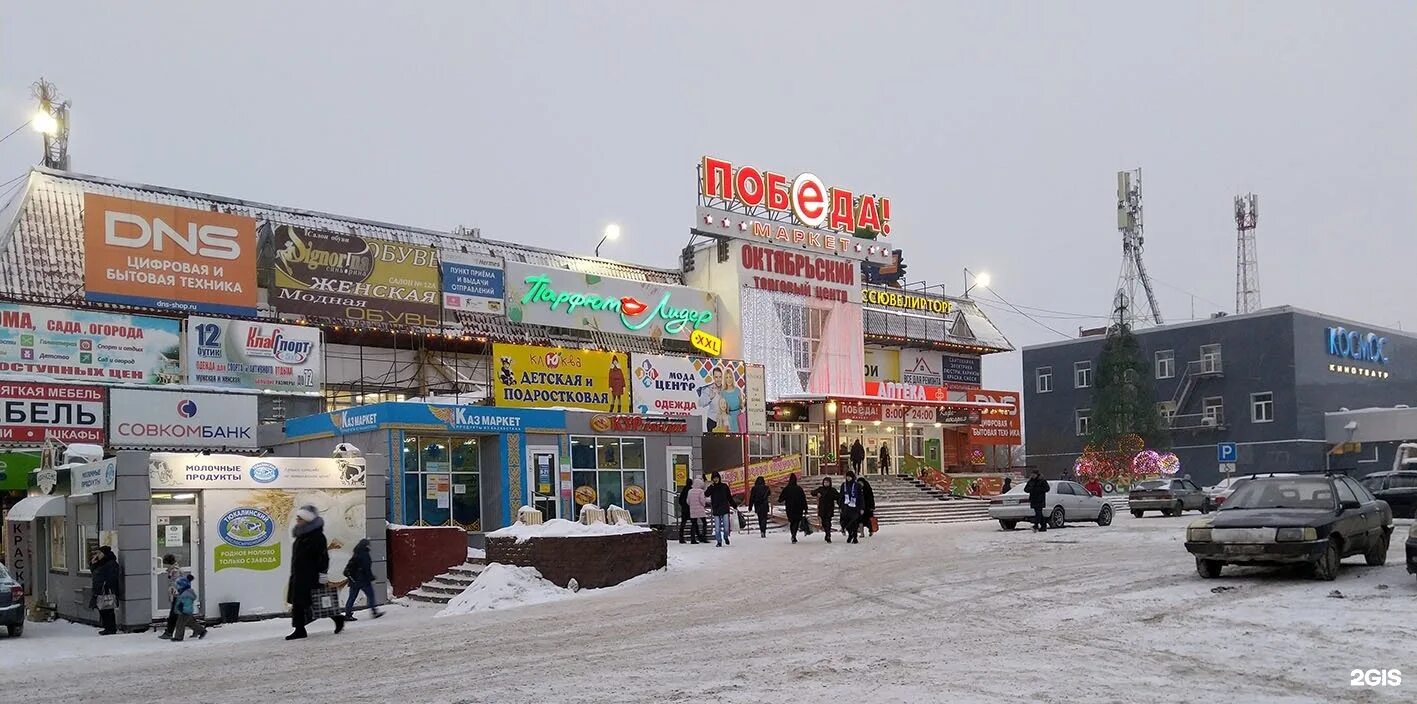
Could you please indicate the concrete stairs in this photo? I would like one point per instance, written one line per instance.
(442, 589)
(904, 499)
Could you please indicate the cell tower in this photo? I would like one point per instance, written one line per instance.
(1247, 257)
(56, 135)
(1129, 223)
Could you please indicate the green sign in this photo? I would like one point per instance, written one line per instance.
(635, 315)
(265, 557)
(15, 468)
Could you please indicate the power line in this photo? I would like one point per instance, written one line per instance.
(1188, 293)
(17, 129)
(1026, 315)
(13, 184)
(1054, 314)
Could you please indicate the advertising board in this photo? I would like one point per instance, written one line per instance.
(35, 412)
(178, 419)
(355, 278)
(89, 345)
(254, 355)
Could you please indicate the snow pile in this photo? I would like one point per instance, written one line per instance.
(504, 587)
(562, 528)
(475, 554)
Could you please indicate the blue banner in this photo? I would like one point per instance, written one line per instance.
(472, 284)
(455, 419)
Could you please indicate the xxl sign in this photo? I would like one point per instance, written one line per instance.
(170, 419)
(249, 355)
(160, 256)
(569, 299)
(100, 347)
(801, 212)
(360, 279)
(1351, 344)
(32, 413)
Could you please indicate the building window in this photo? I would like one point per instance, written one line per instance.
(88, 533)
(339, 399)
(1082, 419)
(610, 472)
(1082, 375)
(442, 481)
(1166, 364)
(802, 328)
(1045, 380)
(1262, 407)
(58, 545)
(1210, 359)
(1167, 411)
(1213, 413)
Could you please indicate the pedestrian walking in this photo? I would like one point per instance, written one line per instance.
(721, 503)
(827, 497)
(698, 513)
(850, 507)
(1037, 488)
(187, 611)
(309, 570)
(795, 501)
(360, 573)
(884, 459)
(761, 501)
(1008, 485)
(173, 573)
(868, 506)
(686, 520)
(858, 456)
(106, 577)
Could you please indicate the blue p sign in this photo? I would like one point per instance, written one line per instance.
(1226, 452)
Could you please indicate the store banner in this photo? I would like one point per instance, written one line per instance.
(472, 284)
(721, 391)
(908, 414)
(248, 355)
(757, 399)
(858, 411)
(33, 413)
(882, 364)
(180, 419)
(901, 391)
(94, 477)
(570, 299)
(359, 279)
(920, 367)
(799, 274)
(551, 377)
(950, 415)
(961, 370)
(100, 347)
(997, 426)
(770, 470)
(787, 412)
(462, 419)
(246, 538)
(174, 470)
(153, 255)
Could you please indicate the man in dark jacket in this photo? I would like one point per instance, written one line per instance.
(858, 456)
(720, 499)
(761, 501)
(883, 461)
(868, 504)
(685, 519)
(107, 586)
(795, 501)
(360, 572)
(1037, 488)
(827, 497)
(309, 568)
(851, 507)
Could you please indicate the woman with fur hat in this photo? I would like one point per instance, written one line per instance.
(309, 568)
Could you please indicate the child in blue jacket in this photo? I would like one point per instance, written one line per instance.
(186, 611)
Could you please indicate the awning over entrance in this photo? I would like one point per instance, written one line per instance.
(810, 398)
(32, 507)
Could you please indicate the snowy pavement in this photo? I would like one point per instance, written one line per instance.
(961, 613)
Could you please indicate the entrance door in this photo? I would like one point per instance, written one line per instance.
(177, 532)
(678, 461)
(543, 469)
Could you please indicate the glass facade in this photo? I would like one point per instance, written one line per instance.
(442, 481)
(610, 471)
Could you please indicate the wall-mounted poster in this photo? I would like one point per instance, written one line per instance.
(359, 279)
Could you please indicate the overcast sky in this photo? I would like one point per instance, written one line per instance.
(997, 128)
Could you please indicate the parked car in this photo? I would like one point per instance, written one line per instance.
(1412, 549)
(1315, 519)
(1067, 502)
(1169, 496)
(1398, 488)
(12, 604)
(1222, 491)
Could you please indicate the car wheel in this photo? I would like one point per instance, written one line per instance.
(1137, 514)
(1166, 513)
(1208, 569)
(1104, 517)
(1326, 567)
(16, 630)
(1007, 525)
(1206, 507)
(1056, 520)
(1377, 552)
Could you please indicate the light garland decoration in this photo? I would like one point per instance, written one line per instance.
(1169, 464)
(1146, 463)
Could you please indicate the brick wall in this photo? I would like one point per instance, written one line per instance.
(593, 561)
(417, 555)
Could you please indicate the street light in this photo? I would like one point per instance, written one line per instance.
(980, 280)
(45, 124)
(612, 232)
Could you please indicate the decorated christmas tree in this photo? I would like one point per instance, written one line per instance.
(1123, 398)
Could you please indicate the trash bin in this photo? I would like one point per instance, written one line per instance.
(230, 611)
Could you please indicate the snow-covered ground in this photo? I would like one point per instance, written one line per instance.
(962, 613)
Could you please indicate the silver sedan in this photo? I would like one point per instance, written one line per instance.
(1066, 502)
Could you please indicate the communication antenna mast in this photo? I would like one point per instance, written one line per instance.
(56, 133)
(1129, 223)
(1247, 257)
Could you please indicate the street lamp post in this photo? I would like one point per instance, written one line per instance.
(981, 280)
(612, 232)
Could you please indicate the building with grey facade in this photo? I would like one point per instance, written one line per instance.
(1262, 380)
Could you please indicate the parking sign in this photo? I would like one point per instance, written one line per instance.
(1226, 452)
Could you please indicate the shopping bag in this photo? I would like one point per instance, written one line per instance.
(806, 526)
(875, 526)
(106, 601)
(742, 520)
(324, 602)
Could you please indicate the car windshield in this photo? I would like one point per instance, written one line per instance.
(1153, 485)
(1402, 481)
(1310, 493)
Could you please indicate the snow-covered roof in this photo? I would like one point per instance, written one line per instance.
(965, 326)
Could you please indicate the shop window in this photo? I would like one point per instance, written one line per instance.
(1262, 407)
(88, 533)
(1166, 364)
(58, 545)
(610, 471)
(1045, 380)
(582, 452)
(442, 481)
(632, 453)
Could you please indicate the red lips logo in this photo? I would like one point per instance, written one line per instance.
(630, 306)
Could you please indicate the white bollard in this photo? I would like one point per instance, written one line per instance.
(529, 516)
